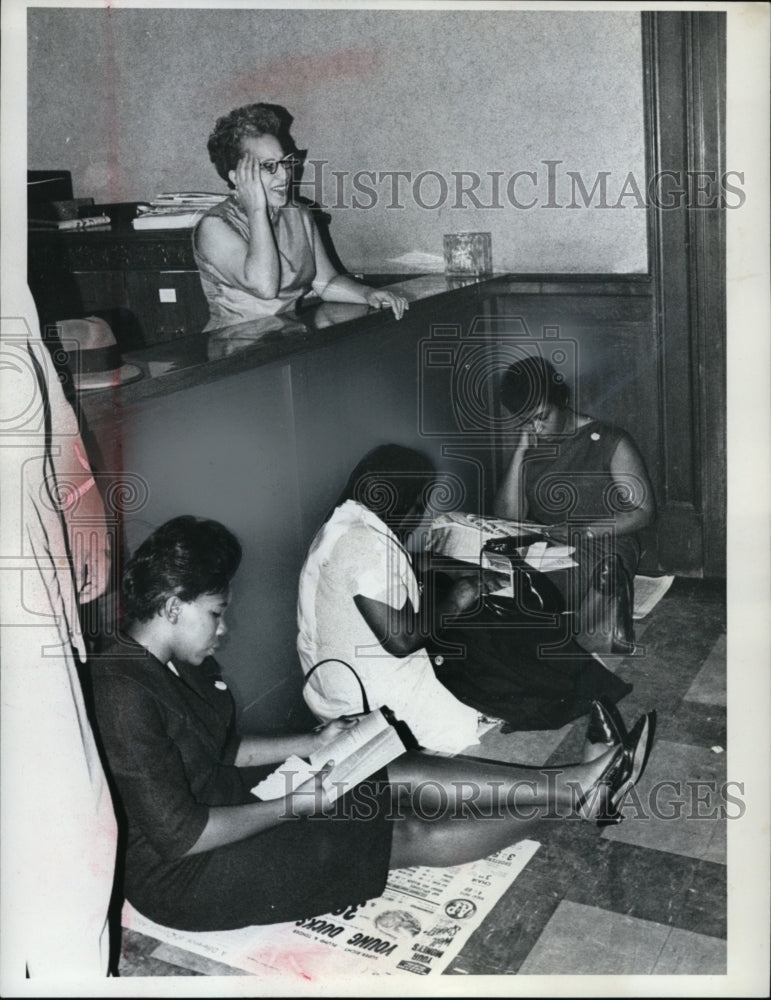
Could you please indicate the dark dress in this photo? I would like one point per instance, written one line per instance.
(170, 745)
(515, 662)
(576, 485)
(529, 661)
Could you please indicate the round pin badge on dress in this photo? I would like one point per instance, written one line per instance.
(595, 436)
(220, 685)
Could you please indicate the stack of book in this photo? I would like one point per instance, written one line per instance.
(87, 222)
(69, 213)
(180, 210)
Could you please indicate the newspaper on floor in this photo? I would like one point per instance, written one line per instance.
(417, 927)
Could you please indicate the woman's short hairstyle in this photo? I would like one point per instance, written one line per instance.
(532, 383)
(390, 480)
(186, 557)
(251, 121)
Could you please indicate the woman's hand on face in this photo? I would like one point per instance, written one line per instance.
(524, 438)
(379, 299)
(249, 186)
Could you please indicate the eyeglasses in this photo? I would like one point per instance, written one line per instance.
(288, 163)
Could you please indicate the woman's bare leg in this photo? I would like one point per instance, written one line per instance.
(466, 782)
(452, 810)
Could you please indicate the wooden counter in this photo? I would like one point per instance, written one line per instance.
(260, 429)
(200, 358)
(259, 425)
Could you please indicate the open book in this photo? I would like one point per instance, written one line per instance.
(357, 752)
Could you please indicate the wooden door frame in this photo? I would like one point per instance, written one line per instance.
(684, 75)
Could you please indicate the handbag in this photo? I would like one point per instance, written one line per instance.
(536, 597)
(399, 725)
(605, 614)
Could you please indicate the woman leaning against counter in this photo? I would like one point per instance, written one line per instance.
(257, 252)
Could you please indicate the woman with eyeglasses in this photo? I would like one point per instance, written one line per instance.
(258, 253)
(586, 481)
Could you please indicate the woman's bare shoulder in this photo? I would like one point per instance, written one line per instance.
(213, 232)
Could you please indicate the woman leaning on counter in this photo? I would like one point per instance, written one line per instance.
(258, 253)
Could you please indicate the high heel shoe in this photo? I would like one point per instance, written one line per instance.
(621, 772)
(640, 740)
(606, 729)
(625, 769)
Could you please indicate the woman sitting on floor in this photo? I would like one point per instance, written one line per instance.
(258, 254)
(360, 603)
(587, 482)
(202, 853)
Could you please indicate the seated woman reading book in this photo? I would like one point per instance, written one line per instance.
(203, 854)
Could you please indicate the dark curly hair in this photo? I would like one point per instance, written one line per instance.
(390, 480)
(186, 557)
(530, 384)
(253, 120)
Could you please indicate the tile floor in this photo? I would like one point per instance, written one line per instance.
(647, 897)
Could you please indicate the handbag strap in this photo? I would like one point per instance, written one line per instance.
(332, 659)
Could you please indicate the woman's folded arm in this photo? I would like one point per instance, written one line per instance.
(252, 266)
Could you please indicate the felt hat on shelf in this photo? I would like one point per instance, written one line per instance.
(93, 356)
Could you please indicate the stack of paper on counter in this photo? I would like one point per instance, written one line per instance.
(175, 210)
(357, 753)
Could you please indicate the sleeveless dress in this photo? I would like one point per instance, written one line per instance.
(533, 667)
(295, 238)
(574, 483)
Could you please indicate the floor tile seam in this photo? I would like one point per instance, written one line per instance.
(666, 942)
(708, 634)
(670, 927)
(617, 913)
(162, 947)
(546, 885)
(691, 867)
(653, 657)
(714, 706)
